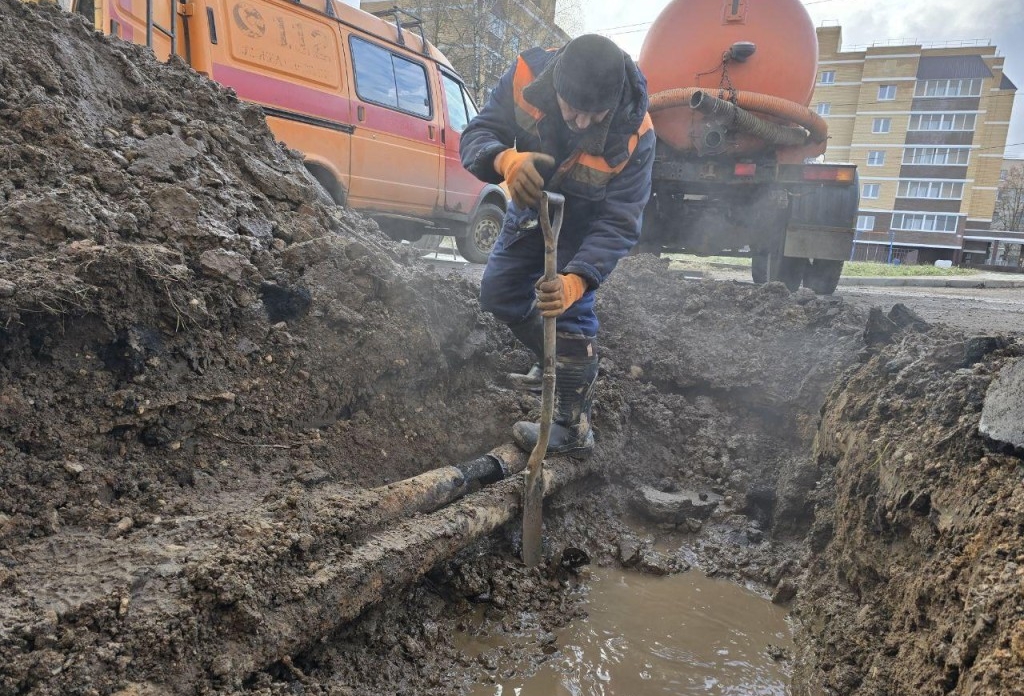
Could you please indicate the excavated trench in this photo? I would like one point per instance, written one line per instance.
(214, 385)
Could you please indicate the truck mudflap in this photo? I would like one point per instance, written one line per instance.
(818, 242)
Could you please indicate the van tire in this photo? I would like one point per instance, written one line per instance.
(481, 234)
(329, 183)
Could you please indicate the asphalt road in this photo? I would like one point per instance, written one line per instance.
(972, 310)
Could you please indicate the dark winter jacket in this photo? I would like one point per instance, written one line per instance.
(604, 173)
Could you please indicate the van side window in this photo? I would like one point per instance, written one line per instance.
(458, 117)
(389, 80)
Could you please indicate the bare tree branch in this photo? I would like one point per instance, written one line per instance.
(1009, 212)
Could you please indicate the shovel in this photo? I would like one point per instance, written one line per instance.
(533, 494)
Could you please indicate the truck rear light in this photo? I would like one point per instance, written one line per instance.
(745, 169)
(839, 174)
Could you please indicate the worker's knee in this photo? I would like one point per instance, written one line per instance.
(507, 302)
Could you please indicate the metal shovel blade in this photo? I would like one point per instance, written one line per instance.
(533, 492)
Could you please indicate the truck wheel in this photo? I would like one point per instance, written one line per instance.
(822, 276)
(759, 268)
(788, 271)
(774, 267)
(475, 246)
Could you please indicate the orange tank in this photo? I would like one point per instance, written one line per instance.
(687, 44)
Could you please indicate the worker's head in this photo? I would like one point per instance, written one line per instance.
(589, 77)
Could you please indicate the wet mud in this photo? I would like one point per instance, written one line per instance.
(204, 365)
(684, 634)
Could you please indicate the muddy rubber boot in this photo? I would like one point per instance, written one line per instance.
(571, 434)
(530, 381)
(530, 333)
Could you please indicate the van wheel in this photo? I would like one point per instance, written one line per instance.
(475, 246)
(329, 183)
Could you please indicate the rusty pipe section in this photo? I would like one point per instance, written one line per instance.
(439, 487)
(391, 559)
(745, 121)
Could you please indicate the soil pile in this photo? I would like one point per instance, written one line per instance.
(917, 581)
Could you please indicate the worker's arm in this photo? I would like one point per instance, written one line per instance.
(615, 228)
(491, 132)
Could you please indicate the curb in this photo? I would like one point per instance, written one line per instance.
(932, 282)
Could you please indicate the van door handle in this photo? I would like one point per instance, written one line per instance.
(443, 138)
(361, 113)
(430, 132)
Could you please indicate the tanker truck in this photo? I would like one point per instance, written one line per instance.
(738, 166)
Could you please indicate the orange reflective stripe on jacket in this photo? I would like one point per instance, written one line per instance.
(592, 170)
(527, 115)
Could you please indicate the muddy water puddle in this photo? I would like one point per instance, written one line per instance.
(683, 634)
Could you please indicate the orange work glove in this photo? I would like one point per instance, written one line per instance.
(556, 296)
(519, 169)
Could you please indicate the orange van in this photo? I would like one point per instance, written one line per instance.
(375, 108)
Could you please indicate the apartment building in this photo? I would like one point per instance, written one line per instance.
(927, 126)
(482, 38)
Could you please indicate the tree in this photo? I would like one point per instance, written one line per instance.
(1009, 212)
(481, 38)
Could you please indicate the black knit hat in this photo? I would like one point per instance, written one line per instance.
(590, 73)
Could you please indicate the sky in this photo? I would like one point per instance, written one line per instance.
(865, 22)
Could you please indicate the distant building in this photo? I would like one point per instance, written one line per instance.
(927, 127)
(482, 38)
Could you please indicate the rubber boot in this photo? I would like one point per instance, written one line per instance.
(575, 379)
(530, 333)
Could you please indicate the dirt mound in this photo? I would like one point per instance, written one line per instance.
(158, 247)
(916, 583)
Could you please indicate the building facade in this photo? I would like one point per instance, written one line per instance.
(482, 38)
(927, 127)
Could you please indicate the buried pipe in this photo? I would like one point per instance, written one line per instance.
(436, 488)
(347, 585)
(743, 120)
(362, 512)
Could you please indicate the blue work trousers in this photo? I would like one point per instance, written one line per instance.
(516, 263)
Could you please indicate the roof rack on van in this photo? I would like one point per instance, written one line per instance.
(412, 22)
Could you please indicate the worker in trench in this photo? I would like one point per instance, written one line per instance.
(572, 121)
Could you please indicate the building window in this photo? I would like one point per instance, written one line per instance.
(870, 190)
(881, 125)
(942, 122)
(945, 190)
(886, 92)
(865, 223)
(924, 222)
(937, 155)
(876, 158)
(828, 77)
(824, 108)
(948, 88)
(1003, 174)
